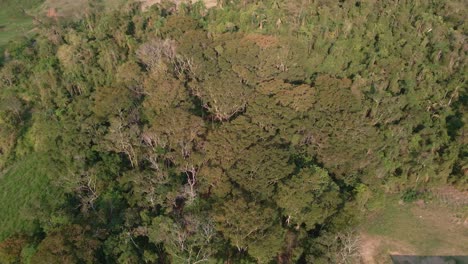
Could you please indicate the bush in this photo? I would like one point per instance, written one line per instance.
(410, 195)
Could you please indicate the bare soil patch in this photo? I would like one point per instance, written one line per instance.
(377, 249)
(64, 8)
(451, 195)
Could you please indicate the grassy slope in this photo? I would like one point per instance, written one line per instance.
(24, 186)
(12, 27)
(433, 228)
(13, 20)
(73, 9)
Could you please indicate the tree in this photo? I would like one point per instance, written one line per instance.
(245, 229)
(69, 244)
(154, 53)
(259, 168)
(188, 241)
(10, 249)
(110, 102)
(124, 136)
(308, 198)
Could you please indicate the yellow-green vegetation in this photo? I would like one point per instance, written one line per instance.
(15, 19)
(17, 16)
(76, 9)
(431, 225)
(25, 188)
(259, 132)
(11, 27)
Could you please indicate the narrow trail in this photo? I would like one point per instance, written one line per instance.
(368, 248)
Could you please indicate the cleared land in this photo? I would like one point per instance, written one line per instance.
(438, 226)
(74, 8)
(11, 27)
(14, 20)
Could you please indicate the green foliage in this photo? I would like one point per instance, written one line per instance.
(309, 197)
(253, 133)
(410, 195)
(246, 228)
(14, 21)
(69, 244)
(27, 192)
(10, 249)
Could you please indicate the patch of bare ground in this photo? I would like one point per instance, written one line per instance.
(455, 200)
(447, 226)
(377, 249)
(451, 195)
(64, 8)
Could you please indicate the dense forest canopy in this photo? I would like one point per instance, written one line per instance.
(255, 132)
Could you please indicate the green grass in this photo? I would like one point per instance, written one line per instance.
(427, 230)
(13, 27)
(22, 189)
(13, 20)
(397, 221)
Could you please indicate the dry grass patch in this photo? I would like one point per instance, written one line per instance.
(417, 228)
(263, 41)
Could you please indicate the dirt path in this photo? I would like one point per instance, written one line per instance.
(377, 249)
(368, 248)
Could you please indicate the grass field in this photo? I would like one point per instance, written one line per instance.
(430, 228)
(23, 187)
(12, 27)
(13, 19)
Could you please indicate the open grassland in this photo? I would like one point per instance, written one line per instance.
(74, 9)
(11, 27)
(434, 227)
(14, 20)
(22, 189)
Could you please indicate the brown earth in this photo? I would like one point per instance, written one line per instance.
(377, 249)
